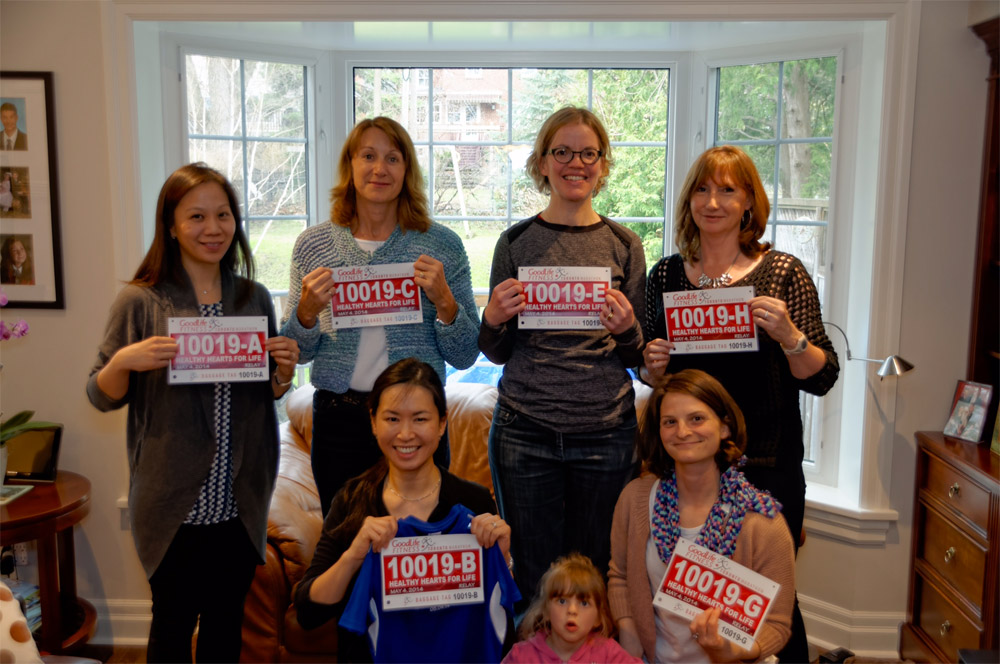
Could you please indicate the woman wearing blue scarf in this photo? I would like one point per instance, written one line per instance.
(692, 440)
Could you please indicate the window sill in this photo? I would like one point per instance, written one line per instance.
(834, 514)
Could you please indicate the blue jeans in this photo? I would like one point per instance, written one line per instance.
(557, 491)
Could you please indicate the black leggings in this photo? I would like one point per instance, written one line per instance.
(788, 486)
(203, 579)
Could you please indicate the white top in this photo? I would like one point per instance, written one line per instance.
(673, 634)
(373, 350)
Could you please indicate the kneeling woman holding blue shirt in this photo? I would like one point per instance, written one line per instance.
(406, 494)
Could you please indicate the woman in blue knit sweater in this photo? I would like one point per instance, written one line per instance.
(379, 216)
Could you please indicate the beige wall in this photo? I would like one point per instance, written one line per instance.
(948, 125)
(47, 369)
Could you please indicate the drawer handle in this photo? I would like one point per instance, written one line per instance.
(945, 628)
(954, 490)
(949, 554)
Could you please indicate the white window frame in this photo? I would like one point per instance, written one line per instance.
(169, 139)
(421, 62)
(822, 470)
(243, 139)
(885, 116)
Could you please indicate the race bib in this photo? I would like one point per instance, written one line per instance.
(710, 321)
(433, 570)
(563, 298)
(223, 349)
(371, 295)
(698, 579)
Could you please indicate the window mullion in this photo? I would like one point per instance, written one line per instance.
(510, 141)
(430, 139)
(305, 129)
(777, 155)
(243, 146)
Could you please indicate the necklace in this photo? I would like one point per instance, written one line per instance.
(414, 500)
(724, 279)
(206, 291)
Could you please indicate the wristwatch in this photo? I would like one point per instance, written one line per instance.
(800, 345)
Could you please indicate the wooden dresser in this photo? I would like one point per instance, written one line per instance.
(955, 559)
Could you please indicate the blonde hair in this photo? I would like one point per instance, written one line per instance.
(412, 202)
(569, 115)
(573, 575)
(734, 162)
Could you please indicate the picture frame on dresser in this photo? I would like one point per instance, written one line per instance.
(31, 270)
(968, 411)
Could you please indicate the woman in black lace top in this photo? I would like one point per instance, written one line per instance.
(720, 217)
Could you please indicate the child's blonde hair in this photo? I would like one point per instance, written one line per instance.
(573, 575)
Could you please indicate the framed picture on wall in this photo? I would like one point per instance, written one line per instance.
(968, 411)
(30, 250)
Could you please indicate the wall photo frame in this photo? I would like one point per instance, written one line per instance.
(968, 411)
(30, 248)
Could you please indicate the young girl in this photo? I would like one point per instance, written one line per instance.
(569, 620)
(202, 457)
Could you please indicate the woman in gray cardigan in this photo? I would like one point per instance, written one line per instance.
(202, 457)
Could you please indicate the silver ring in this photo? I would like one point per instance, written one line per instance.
(695, 636)
(494, 525)
(765, 314)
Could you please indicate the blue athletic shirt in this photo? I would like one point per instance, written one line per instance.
(461, 633)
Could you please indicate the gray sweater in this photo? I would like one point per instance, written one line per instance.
(170, 434)
(568, 380)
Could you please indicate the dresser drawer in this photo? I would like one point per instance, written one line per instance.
(942, 621)
(953, 555)
(957, 490)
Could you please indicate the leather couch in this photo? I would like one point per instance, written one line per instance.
(271, 632)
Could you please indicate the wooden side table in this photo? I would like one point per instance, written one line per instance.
(47, 515)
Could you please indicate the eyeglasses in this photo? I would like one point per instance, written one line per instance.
(564, 155)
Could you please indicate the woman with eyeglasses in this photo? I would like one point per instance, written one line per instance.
(562, 437)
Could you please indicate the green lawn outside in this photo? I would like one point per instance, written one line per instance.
(275, 250)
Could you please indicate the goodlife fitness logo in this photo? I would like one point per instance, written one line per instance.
(547, 273)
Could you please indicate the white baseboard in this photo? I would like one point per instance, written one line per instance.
(122, 622)
(865, 633)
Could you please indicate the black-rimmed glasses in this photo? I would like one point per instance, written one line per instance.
(564, 155)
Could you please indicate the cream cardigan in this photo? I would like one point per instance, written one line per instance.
(764, 545)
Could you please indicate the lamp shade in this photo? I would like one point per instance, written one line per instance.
(894, 365)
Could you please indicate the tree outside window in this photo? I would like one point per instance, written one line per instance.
(782, 114)
(247, 119)
(473, 160)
